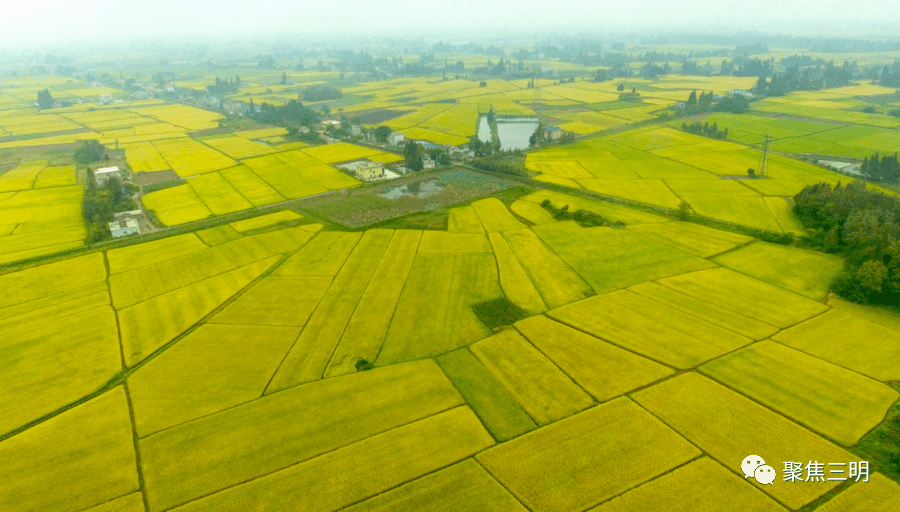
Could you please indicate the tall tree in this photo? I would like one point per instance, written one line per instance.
(691, 104)
(412, 153)
(382, 133)
(44, 99)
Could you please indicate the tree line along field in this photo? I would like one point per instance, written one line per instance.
(227, 368)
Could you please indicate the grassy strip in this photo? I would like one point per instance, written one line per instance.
(496, 408)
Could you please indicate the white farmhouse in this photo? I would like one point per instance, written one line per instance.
(124, 227)
(396, 138)
(741, 92)
(104, 173)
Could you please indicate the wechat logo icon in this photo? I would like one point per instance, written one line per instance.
(755, 467)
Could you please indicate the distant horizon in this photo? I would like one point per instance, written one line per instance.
(44, 23)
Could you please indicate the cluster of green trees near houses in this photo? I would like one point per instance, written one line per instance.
(414, 156)
(292, 113)
(100, 204)
(862, 225)
(885, 168)
(704, 103)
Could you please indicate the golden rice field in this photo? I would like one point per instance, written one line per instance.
(259, 181)
(687, 347)
(663, 166)
(511, 362)
(40, 210)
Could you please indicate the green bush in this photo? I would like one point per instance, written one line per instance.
(88, 151)
(582, 217)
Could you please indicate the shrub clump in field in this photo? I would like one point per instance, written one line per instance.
(583, 217)
(363, 365)
(498, 312)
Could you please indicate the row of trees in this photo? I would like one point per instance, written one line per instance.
(292, 113)
(862, 225)
(890, 76)
(798, 78)
(225, 86)
(584, 217)
(479, 147)
(885, 168)
(502, 163)
(709, 130)
(703, 103)
(320, 93)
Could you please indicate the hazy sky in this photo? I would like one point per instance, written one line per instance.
(58, 21)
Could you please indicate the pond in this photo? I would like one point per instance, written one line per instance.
(513, 132)
(419, 189)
